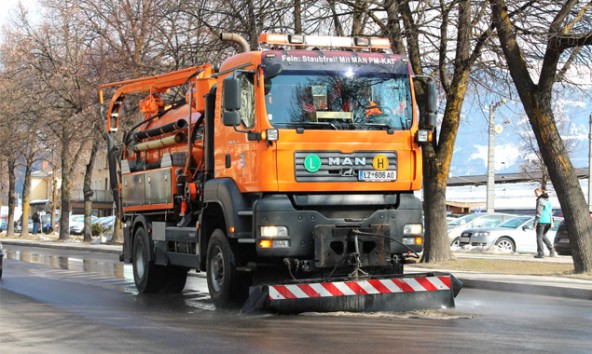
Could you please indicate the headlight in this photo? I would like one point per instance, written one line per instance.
(413, 229)
(416, 240)
(274, 231)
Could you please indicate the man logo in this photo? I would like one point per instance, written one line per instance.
(348, 172)
(380, 162)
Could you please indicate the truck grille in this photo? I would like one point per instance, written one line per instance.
(334, 166)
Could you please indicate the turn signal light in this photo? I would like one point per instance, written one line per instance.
(265, 243)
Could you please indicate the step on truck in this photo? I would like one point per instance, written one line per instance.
(286, 174)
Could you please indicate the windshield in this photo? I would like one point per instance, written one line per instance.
(515, 222)
(339, 100)
(464, 219)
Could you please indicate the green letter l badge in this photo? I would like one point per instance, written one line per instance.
(312, 163)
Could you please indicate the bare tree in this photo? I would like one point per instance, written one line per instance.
(54, 53)
(562, 34)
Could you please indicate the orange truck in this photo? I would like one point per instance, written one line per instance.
(286, 174)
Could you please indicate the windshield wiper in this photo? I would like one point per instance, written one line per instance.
(389, 129)
(307, 124)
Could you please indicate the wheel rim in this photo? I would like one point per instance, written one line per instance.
(217, 270)
(456, 243)
(505, 245)
(140, 261)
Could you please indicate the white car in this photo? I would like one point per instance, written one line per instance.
(514, 235)
(77, 223)
(475, 220)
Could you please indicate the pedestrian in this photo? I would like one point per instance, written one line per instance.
(543, 221)
(36, 221)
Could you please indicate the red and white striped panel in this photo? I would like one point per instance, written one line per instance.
(359, 287)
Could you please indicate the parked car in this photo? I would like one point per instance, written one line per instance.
(476, 220)
(19, 226)
(514, 235)
(107, 222)
(46, 223)
(77, 223)
(562, 242)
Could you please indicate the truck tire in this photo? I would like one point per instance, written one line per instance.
(226, 287)
(149, 277)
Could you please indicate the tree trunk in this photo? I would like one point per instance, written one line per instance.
(26, 198)
(88, 192)
(436, 247)
(1, 184)
(66, 207)
(393, 30)
(336, 21)
(11, 196)
(297, 16)
(54, 197)
(66, 204)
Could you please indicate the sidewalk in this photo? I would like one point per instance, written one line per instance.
(533, 284)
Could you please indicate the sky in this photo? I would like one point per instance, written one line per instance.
(471, 148)
(9, 6)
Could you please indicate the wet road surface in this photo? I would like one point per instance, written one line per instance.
(72, 302)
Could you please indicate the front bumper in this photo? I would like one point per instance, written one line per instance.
(314, 232)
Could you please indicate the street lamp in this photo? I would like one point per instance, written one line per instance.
(491, 156)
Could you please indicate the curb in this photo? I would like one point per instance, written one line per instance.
(545, 290)
(113, 249)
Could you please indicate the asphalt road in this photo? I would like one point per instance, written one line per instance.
(73, 302)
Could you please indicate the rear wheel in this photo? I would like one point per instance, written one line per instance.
(227, 287)
(149, 277)
(505, 244)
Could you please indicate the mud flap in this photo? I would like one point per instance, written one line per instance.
(392, 293)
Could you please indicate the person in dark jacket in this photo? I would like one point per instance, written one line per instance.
(543, 221)
(36, 222)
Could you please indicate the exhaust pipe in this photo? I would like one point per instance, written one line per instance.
(178, 125)
(236, 38)
(157, 144)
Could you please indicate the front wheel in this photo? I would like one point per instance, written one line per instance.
(149, 277)
(224, 282)
(505, 244)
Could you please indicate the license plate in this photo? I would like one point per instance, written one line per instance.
(465, 239)
(563, 240)
(377, 176)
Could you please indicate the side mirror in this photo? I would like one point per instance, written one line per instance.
(231, 118)
(231, 101)
(429, 121)
(232, 94)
